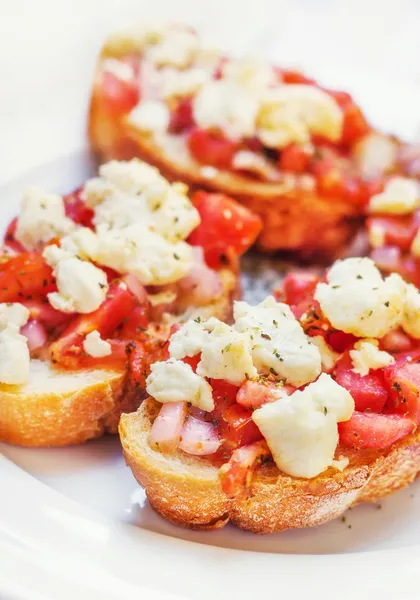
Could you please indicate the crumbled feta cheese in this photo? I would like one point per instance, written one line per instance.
(131, 177)
(82, 287)
(152, 116)
(14, 357)
(14, 315)
(415, 246)
(179, 84)
(328, 356)
(341, 463)
(120, 69)
(411, 314)
(226, 354)
(14, 352)
(251, 73)
(42, 217)
(226, 106)
(175, 381)
(366, 356)
(292, 113)
(301, 429)
(278, 343)
(82, 243)
(401, 196)
(188, 340)
(144, 253)
(177, 48)
(356, 299)
(95, 346)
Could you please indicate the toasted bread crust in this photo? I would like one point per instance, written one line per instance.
(187, 491)
(296, 219)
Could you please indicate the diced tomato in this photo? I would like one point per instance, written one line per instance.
(136, 322)
(370, 430)
(192, 361)
(77, 210)
(290, 76)
(24, 276)
(311, 318)
(253, 394)
(298, 286)
(141, 355)
(355, 125)
(226, 226)
(182, 117)
(236, 475)
(397, 230)
(118, 304)
(368, 392)
(340, 341)
(119, 95)
(10, 239)
(116, 360)
(294, 158)
(236, 427)
(224, 395)
(329, 177)
(403, 381)
(211, 149)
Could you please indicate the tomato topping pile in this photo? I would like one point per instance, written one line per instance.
(119, 94)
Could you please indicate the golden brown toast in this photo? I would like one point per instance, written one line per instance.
(186, 490)
(59, 407)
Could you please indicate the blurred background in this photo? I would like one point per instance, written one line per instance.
(48, 49)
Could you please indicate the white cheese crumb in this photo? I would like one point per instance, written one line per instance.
(82, 287)
(401, 196)
(376, 236)
(14, 351)
(189, 339)
(177, 48)
(175, 381)
(120, 69)
(366, 356)
(301, 429)
(278, 342)
(411, 315)
(42, 217)
(341, 463)
(252, 73)
(227, 106)
(13, 315)
(151, 116)
(179, 84)
(95, 346)
(356, 299)
(328, 356)
(292, 113)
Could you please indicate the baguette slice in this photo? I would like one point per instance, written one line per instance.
(186, 490)
(296, 219)
(58, 407)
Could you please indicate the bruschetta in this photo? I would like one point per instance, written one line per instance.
(301, 156)
(91, 284)
(306, 405)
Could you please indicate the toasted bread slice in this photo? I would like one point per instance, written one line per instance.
(186, 490)
(296, 218)
(59, 407)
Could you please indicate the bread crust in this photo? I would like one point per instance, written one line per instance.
(186, 490)
(60, 408)
(296, 219)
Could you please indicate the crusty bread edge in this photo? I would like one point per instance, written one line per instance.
(186, 490)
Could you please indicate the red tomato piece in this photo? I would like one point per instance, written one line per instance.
(298, 286)
(340, 341)
(77, 210)
(370, 430)
(141, 355)
(403, 381)
(355, 125)
(192, 361)
(397, 230)
(118, 304)
(9, 237)
(182, 117)
(237, 428)
(226, 227)
(211, 148)
(224, 395)
(294, 158)
(42, 311)
(119, 95)
(24, 276)
(116, 360)
(136, 322)
(290, 76)
(368, 392)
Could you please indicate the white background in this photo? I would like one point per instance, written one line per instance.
(48, 50)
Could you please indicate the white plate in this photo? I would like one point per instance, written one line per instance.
(73, 522)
